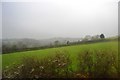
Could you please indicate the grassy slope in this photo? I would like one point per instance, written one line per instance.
(0, 65)
(10, 59)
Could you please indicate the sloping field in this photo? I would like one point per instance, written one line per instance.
(73, 51)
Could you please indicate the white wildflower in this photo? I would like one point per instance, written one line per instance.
(32, 70)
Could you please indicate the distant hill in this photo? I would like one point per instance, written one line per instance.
(37, 43)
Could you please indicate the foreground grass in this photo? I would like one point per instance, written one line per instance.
(32, 67)
(109, 49)
(10, 59)
(0, 65)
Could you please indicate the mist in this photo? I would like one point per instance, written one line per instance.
(59, 18)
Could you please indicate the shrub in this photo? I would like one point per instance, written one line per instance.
(49, 67)
(98, 64)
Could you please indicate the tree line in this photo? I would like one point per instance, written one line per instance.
(87, 39)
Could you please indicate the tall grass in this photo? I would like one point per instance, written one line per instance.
(91, 64)
(98, 64)
(49, 67)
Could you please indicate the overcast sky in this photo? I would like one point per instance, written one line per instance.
(59, 18)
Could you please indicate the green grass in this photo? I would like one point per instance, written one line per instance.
(0, 64)
(15, 58)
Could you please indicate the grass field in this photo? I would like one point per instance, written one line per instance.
(15, 58)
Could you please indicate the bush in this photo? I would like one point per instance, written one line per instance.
(49, 67)
(98, 64)
(91, 64)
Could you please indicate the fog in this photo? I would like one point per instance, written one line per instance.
(59, 18)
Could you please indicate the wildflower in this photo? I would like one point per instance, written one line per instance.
(78, 75)
(22, 65)
(59, 64)
(32, 70)
(15, 72)
(19, 67)
(63, 64)
(49, 60)
(41, 67)
(8, 77)
(55, 61)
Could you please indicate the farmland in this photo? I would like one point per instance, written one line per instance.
(94, 51)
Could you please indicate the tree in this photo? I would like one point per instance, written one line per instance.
(102, 36)
(95, 37)
(87, 38)
(68, 42)
(78, 41)
(56, 42)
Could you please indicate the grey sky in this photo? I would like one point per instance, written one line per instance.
(0, 21)
(59, 18)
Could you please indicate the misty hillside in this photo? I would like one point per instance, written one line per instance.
(37, 43)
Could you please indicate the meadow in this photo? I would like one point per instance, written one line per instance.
(87, 59)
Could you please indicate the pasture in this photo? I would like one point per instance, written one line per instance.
(95, 51)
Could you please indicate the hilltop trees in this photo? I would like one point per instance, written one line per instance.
(68, 42)
(56, 42)
(25, 45)
(96, 37)
(87, 38)
(102, 36)
(93, 38)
